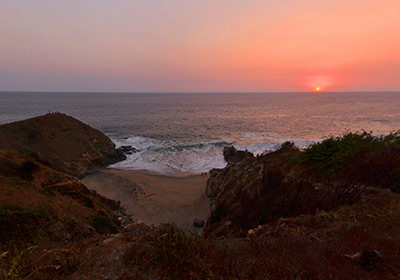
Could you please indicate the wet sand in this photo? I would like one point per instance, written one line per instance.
(152, 198)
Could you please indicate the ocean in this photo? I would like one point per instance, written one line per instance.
(187, 131)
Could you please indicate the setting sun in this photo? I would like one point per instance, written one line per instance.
(318, 89)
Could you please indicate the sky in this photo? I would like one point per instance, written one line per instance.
(191, 45)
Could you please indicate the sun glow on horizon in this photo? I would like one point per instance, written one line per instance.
(180, 45)
(319, 83)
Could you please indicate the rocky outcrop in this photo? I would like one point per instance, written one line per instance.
(60, 141)
(235, 159)
(127, 149)
(231, 155)
(252, 191)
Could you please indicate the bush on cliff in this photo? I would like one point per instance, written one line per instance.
(358, 157)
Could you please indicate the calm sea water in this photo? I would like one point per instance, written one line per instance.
(187, 131)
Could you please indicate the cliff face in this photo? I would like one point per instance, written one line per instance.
(63, 142)
(257, 190)
(253, 191)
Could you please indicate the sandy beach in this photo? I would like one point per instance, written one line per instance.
(154, 198)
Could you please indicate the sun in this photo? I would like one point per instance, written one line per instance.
(319, 83)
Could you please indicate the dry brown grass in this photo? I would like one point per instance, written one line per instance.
(46, 217)
(312, 246)
(304, 247)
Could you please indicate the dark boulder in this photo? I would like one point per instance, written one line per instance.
(127, 149)
(231, 155)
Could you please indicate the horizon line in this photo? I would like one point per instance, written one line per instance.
(198, 92)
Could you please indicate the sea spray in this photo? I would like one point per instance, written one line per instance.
(168, 156)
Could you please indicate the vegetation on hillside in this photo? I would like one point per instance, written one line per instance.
(360, 156)
(333, 153)
(47, 219)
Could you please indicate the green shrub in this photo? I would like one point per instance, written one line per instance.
(333, 154)
(12, 270)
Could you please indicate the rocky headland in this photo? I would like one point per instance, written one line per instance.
(62, 142)
(331, 211)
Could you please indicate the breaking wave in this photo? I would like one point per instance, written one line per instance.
(168, 156)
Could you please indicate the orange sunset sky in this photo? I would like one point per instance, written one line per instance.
(187, 45)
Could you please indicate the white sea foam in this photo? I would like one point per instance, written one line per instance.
(167, 156)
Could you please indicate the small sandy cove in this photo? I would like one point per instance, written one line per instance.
(153, 198)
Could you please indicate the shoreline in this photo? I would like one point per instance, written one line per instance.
(176, 174)
(154, 198)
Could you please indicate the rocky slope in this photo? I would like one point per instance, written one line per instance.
(43, 214)
(61, 141)
(33, 195)
(252, 191)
